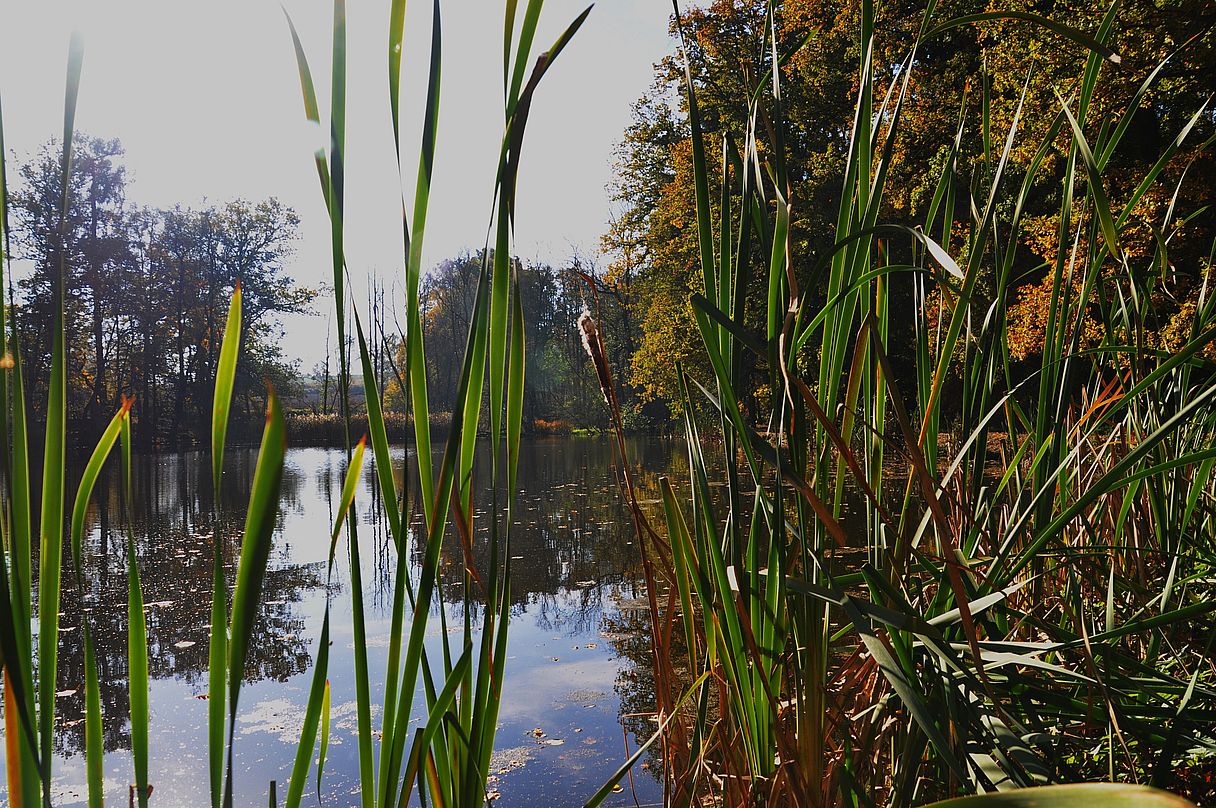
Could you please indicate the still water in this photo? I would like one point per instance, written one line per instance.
(576, 668)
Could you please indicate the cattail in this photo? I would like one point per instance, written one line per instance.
(595, 349)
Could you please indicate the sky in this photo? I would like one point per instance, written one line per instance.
(205, 98)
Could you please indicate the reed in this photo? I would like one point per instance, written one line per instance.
(981, 631)
(447, 758)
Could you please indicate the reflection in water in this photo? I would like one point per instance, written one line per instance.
(574, 564)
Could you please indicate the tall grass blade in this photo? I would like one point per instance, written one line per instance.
(54, 460)
(137, 633)
(217, 693)
(255, 552)
(16, 657)
(605, 790)
(94, 742)
(225, 378)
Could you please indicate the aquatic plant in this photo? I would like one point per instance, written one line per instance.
(1032, 609)
(450, 753)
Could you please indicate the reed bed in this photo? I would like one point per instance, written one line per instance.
(1034, 607)
(316, 429)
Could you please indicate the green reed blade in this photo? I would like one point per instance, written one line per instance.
(325, 700)
(511, 8)
(367, 777)
(401, 582)
(20, 504)
(137, 634)
(606, 789)
(311, 111)
(705, 234)
(901, 682)
(21, 746)
(337, 182)
(350, 485)
(1101, 206)
(255, 552)
(94, 744)
(396, 36)
(496, 337)
(217, 694)
(515, 396)
(416, 370)
(225, 378)
(527, 32)
(5, 450)
(379, 437)
(1066, 31)
(15, 657)
(88, 479)
(51, 522)
(685, 563)
(316, 708)
(1163, 160)
(439, 713)
(325, 739)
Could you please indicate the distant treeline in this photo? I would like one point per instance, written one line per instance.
(561, 392)
(147, 296)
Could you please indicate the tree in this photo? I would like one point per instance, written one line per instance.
(651, 241)
(147, 293)
(94, 243)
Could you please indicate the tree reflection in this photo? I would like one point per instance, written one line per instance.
(573, 547)
(174, 534)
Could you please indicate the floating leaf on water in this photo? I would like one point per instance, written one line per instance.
(553, 742)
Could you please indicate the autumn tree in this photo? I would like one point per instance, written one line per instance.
(976, 75)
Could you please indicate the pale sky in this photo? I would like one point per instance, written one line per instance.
(205, 97)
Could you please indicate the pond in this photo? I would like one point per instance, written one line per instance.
(575, 675)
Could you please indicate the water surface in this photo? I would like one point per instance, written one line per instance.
(570, 684)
